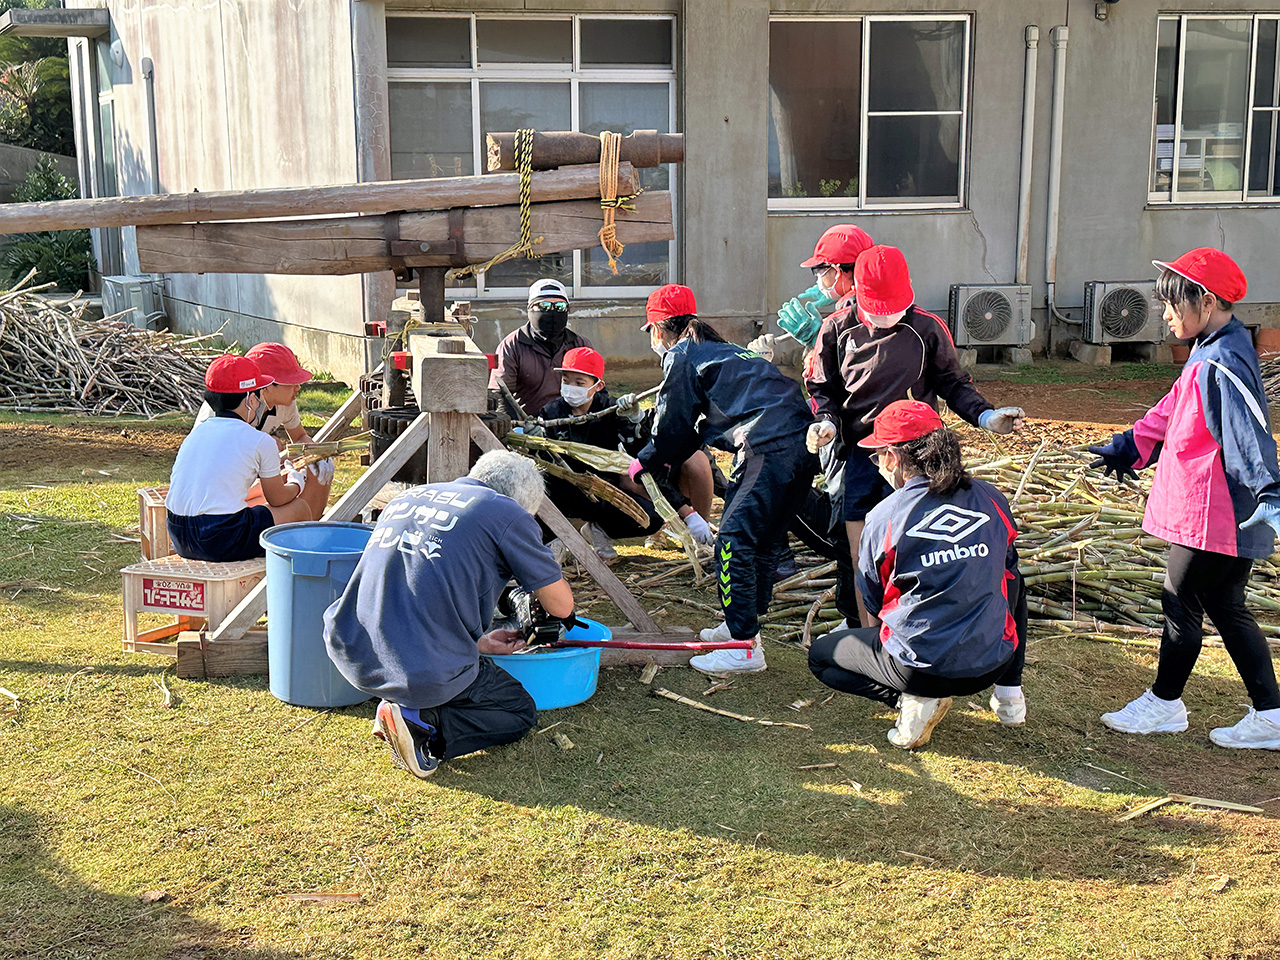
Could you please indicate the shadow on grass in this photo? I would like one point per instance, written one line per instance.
(49, 911)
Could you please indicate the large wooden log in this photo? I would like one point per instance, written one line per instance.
(561, 148)
(362, 245)
(568, 183)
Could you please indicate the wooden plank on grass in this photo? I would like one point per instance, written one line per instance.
(223, 658)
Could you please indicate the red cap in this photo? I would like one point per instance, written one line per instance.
(1213, 270)
(901, 421)
(883, 281)
(843, 243)
(232, 374)
(583, 360)
(278, 361)
(669, 300)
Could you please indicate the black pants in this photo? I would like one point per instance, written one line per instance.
(495, 709)
(855, 661)
(763, 495)
(819, 525)
(574, 503)
(1199, 582)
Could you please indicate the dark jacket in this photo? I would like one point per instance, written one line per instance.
(857, 370)
(726, 396)
(936, 572)
(528, 366)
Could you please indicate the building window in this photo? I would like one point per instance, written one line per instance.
(454, 78)
(1217, 108)
(868, 112)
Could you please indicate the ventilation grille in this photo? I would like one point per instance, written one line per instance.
(991, 315)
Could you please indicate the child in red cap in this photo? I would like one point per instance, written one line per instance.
(279, 408)
(221, 459)
(1215, 498)
(938, 569)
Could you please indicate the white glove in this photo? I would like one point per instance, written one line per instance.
(1002, 420)
(763, 345)
(819, 435)
(323, 471)
(629, 407)
(295, 476)
(699, 528)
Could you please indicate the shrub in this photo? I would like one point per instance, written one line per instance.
(63, 256)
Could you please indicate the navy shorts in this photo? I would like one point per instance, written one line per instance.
(220, 537)
(863, 485)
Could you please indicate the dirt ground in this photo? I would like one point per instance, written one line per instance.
(89, 444)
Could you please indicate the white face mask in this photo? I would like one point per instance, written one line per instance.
(884, 323)
(659, 348)
(575, 396)
(887, 474)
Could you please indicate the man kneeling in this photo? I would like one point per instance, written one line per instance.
(413, 625)
(937, 567)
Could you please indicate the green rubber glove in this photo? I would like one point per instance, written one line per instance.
(817, 296)
(801, 320)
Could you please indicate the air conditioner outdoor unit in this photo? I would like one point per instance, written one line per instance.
(993, 315)
(141, 295)
(1117, 311)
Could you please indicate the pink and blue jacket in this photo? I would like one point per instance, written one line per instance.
(1210, 438)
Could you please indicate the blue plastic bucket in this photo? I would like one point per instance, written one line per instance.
(560, 678)
(308, 566)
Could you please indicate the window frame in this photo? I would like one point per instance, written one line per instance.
(843, 204)
(1173, 196)
(574, 74)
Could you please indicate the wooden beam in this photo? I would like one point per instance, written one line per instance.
(387, 196)
(20, 22)
(360, 245)
(559, 148)
(351, 408)
(585, 554)
(199, 660)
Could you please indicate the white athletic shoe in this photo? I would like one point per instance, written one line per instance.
(1149, 714)
(916, 720)
(719, 663)
(1251, 733)
(602, 542)
(558, 550)
(1011, 711)
(716, 634)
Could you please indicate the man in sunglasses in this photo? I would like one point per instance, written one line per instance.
(528, 358)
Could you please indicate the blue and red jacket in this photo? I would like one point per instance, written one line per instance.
(936, 571)
(1211, 436)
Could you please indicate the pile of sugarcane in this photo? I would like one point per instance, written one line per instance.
(305, 454)
(54, 359)
(1271, 380)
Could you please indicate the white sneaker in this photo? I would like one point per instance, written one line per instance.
(602, 542)
(719, 663)
(1251, 733)
(1011, 711)
(716, 634)
(1149, 714)
(916, 720)
(558, 550)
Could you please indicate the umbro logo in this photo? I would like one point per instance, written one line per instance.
(948, 523)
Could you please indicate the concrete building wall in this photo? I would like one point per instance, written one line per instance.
(247, 94)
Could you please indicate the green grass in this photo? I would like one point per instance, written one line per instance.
(1054, 372)
(665, 833)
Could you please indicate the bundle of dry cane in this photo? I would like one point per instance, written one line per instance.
(54, 359)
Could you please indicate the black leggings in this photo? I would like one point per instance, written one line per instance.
(1200, 582)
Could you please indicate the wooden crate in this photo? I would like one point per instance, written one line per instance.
(151, 523)
(197, 594)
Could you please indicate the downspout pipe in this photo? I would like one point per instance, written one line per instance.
(153, 144)
(1032, 36)
(1059, 40)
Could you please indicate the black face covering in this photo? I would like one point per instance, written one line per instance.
(548, 325)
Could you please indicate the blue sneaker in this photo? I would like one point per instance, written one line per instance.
(406, 740)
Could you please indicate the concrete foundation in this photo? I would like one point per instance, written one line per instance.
(1094, 354)
(1154, 352)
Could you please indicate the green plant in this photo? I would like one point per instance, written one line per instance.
(828, 188)
(65, 256)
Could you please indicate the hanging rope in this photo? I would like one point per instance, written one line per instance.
(524, 246)
(610, 202)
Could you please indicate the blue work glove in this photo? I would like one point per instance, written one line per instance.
(1268, 514)
(801, 320)
(1003, 420)
(1118, 456)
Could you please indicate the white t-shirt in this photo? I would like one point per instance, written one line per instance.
(217, 464)
(286, 416)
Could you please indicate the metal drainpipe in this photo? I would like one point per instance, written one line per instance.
(1059, 39)
(1028, 137)
(149, 76)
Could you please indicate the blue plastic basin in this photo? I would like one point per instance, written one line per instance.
(308, 566)
(560, 678)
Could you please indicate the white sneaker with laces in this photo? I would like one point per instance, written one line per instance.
(719, 663)
(600, 540)
(1148, 714)
(1251, 733)
(916, 719)
(1011, 711)
(716, 634)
